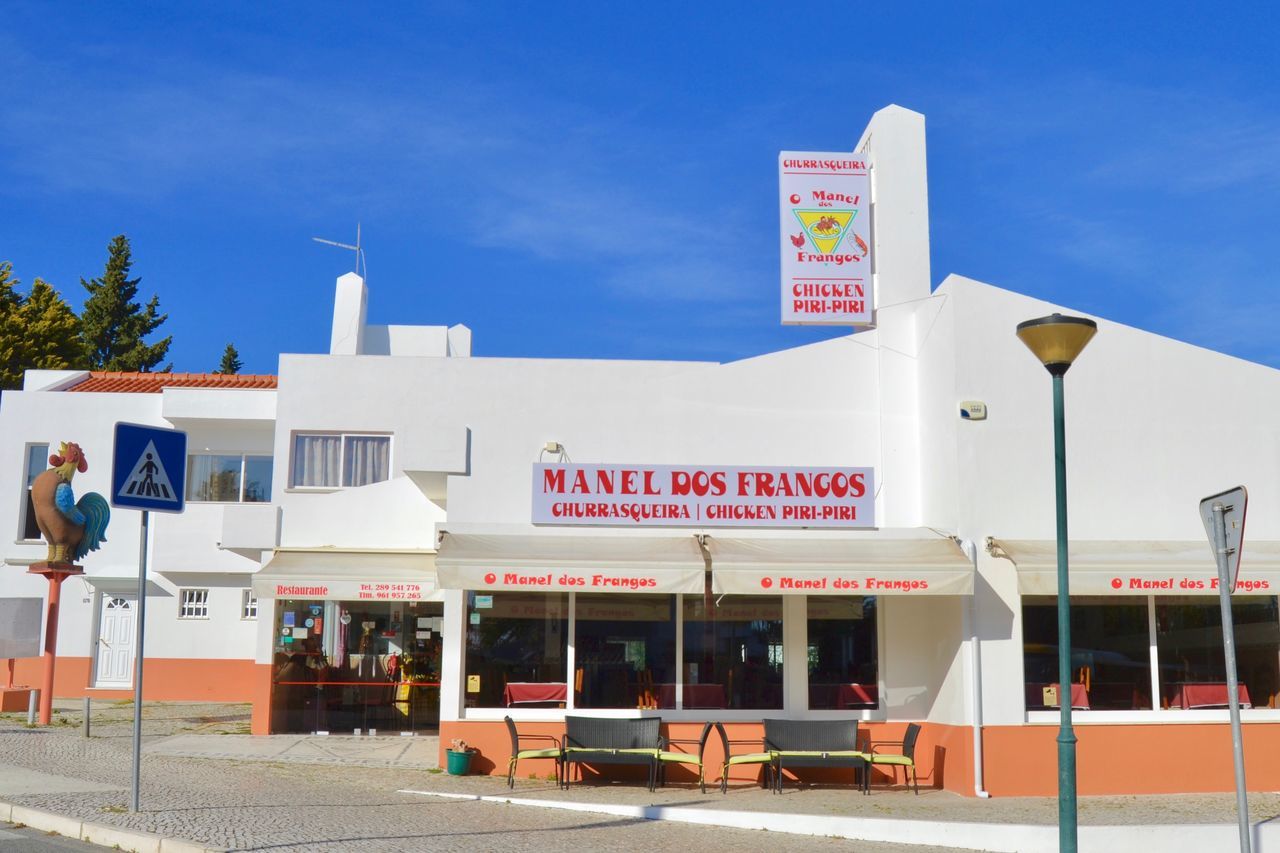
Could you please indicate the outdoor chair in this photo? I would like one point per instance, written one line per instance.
(605, 740)
(765, 758)
(905, 759)
(517, 753)
(666, 757)
(814, 743)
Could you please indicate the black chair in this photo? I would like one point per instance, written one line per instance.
(765, 758)
(666, 757)
(604, 740)
(517, 753)
(814, 743)
(906, 758)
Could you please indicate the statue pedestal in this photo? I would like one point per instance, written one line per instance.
(55, 573)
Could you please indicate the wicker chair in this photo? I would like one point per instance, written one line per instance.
(602, 740)
(813, 743)
(517, 753)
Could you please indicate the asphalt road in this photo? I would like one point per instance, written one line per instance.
(24, 839)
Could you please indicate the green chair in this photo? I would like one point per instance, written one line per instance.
(906, 759)
(666, 757)
(517, 753)
(765, 758)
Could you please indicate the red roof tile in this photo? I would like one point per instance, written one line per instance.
(152, 383)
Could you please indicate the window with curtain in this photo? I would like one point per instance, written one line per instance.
(335, 460)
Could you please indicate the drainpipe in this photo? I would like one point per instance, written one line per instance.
(975, 668)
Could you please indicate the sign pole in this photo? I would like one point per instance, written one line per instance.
(137, 668)
(1225, 586)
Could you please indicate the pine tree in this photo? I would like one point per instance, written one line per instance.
(50, 331)
(10, 329)
(231, 362)
(113, 326)
(39, 331)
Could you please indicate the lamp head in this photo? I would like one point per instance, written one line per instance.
(1057, 339)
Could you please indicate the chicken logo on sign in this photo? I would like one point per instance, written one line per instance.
(827, 229)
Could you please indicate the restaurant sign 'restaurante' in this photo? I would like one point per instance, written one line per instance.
(702, 496)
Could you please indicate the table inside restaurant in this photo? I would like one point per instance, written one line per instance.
(843, 696)
(695, 695)
(535, 692)
(1205, 694)
(1036, 699)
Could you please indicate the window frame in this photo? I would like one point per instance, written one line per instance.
(25, 500)
(244, 466)
(248, 605)
(193, 603)
(342, 436)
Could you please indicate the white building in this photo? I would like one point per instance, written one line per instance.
(412, 554)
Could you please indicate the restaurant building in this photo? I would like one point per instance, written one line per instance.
(825, 532)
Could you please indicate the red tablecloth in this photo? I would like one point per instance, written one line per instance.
(695, 695)
(1035, 697)
(524, 692)
(1209, 694)
(851, 695)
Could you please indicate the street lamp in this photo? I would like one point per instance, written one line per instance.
(1057, 341)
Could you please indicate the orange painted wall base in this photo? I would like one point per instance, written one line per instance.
(163, 679)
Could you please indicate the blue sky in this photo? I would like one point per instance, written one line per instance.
(598, 180)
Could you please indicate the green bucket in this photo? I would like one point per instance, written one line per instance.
(459, 763)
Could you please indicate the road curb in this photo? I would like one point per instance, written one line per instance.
(101, 834)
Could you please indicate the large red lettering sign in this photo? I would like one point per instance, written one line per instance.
(702, 496)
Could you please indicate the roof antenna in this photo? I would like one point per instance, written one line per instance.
(360, 259)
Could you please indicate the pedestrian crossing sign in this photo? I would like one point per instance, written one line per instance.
(149, 468)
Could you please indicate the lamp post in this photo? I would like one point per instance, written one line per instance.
(1057, 340)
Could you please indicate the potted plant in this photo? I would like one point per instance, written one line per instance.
(459, 757)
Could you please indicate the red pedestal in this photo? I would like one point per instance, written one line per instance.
(55, 573)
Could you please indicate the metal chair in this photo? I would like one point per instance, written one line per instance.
(517, 753)
(905, 759)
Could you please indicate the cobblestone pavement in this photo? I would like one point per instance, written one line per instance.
(268, 805)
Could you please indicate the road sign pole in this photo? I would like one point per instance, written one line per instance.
(1225, 584)
(137, 669)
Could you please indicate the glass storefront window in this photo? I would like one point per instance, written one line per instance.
(842, 654)
(1192, 663)
(514, 637)
(733, 651)
(347, 665)
(1110, 653)
(625, 651)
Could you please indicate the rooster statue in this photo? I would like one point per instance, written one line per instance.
(71, 529)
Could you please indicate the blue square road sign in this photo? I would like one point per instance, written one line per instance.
(149, 468)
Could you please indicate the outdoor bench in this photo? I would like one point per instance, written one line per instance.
(602, 740)
(813, 743)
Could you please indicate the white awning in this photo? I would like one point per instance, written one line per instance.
(884, 562)
(665, 564)
(349, 576)
(1108, 567)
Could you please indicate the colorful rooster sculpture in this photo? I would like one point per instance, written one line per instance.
(71, 529)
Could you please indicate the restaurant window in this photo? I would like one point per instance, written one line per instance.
(625, 651)
(36, 462)
(228, 478)
(1192, 662)
(333, 460)
(842, 652)
(516, 638)
(733, 651)
(1110, 653)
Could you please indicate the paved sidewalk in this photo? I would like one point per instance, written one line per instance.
(231, 791)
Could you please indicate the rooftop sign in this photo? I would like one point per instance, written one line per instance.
(825, 204)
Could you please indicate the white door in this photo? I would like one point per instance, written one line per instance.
(117, 632)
